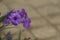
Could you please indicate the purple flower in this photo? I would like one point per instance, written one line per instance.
(23, 13)
(27, 22)
(15, 18)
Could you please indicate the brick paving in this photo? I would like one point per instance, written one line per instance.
(45, 15)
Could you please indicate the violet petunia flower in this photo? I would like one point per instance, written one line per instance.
(15, 18)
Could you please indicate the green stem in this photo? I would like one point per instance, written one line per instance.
(20, 32)
(0, 35)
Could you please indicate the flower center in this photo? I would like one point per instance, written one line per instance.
(15, 18)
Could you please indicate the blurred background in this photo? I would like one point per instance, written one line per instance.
(45, 16)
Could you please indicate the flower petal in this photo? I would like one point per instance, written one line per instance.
(27, 22)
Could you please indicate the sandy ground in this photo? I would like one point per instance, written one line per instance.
(45, 15)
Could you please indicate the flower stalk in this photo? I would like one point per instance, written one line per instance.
(20, 34)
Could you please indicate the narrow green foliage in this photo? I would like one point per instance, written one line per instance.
(2, 18)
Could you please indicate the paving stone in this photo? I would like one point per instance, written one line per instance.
(54, 1)
(38, 22)
(54, 20)
(58, 27)
(53, 9)
(54, 38)
(14, 4)
(37, 3)
(44, 32)
(53, 15)
(11, 2)
(48, 10)
(43, 11)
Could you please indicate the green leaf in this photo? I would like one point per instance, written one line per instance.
(0, 38)
(2, 18)
(0, 13)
